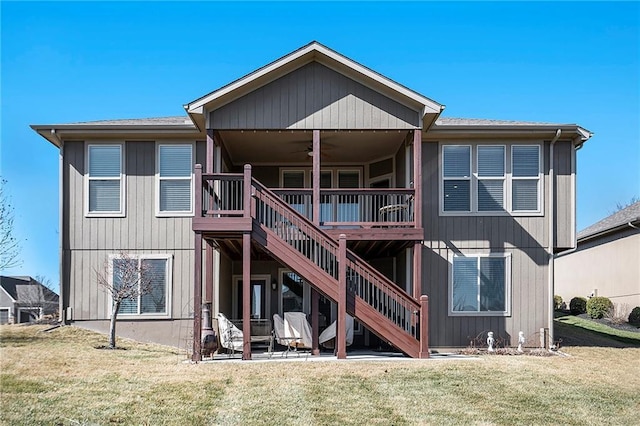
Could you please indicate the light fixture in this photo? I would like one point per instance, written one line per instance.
(310, 153)
(274, 285)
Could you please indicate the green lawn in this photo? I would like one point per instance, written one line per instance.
(60, 378)
(576, 331)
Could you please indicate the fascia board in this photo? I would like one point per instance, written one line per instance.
(609, 231)
(56, 133)
(501, 130)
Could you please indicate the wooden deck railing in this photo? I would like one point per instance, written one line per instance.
(222, 194)
(365, 207)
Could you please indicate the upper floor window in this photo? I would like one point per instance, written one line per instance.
(490, 179)
(456, 166)
(104, 180)
(175, 179)
(525, 178)
(480, 285)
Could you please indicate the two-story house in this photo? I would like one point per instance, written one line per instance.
(316, 184)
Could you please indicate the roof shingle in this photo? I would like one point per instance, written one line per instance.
(627, 215)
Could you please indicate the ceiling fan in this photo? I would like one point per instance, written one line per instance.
(309, 149)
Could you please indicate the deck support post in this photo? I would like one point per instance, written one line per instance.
(208, 281)
(424, 327)
(246, 269)
(341, 330)
(210, 151)
(315, 305)
(208, 273)
(197, 300)
(316, 221)
(417, 269)
(316, 177)
(246, 296)
(417, 211)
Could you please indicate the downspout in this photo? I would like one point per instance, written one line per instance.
(551, 236)
(62, 317)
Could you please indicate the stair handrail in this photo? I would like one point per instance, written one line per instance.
(387, 285)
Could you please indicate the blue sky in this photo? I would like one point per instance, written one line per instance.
(555, 62)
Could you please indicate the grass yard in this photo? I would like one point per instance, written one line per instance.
(59, 378)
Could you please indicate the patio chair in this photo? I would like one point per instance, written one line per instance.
(293, 331)
(328, 337)
(231, 337)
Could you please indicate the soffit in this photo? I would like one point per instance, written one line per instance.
(292, 147)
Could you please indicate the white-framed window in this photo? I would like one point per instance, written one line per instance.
(525, 178)
(4, 316)
(489, 179)
(480, 285)
(158, 270)
(491, 173)
(104, 179)
(174, 171)
(456, 178)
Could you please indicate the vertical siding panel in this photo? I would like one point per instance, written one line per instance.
(259, 112)
(292, 107)
(359, 92)
(283, 119)
(351, 102)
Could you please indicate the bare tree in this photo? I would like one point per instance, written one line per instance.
(125, 279)
(621, 206)
(9, 245)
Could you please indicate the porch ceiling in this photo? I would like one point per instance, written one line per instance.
(290, 146)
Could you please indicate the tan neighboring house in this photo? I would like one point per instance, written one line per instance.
(606, 262)
(316, 184)
(24, 299)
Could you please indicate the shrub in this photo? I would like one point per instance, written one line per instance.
(634, 316)
(557, 301)
(578, 305)
(598, 307)
(619, 313)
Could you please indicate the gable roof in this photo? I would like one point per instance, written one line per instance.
(617, 221)
(17, 288)
(313, 51)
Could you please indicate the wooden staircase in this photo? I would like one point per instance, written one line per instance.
(327, 265)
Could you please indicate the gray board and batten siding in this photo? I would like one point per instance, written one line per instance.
(314, 97)
(88, 241)
(524, 238)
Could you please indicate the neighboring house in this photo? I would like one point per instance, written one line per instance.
(24, 299)
(293, 155)
(606, 262)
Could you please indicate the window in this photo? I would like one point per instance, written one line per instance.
(156, 269)
(525, 183)
(105, 193)
(480, 179)
(480, 285)
(456, 166)
(175, 165)
(293, 179)
(4, 316)
(491, 178)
